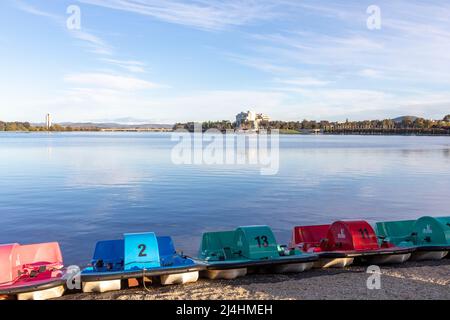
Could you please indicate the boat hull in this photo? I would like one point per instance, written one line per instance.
(293, 267)
(385, 258)
(228, 274)
(45, 294)
(102, 286)
(333, 263)
(428, 255)
(179, 278)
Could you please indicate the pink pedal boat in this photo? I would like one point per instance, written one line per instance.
(31, 272)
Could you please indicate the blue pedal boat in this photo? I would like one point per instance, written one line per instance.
(140, 256)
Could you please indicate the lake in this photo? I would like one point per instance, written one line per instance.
(78, 188)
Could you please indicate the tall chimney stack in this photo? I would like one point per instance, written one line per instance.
(48, 121)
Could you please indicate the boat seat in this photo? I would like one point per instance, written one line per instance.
(310, 236)
(108, 254)
(142, 250)
(165, 246)
(28, 260)
(396, 232)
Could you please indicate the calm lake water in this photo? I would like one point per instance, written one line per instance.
(77, 188)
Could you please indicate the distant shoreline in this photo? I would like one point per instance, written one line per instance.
(406, 125)
(386, 134)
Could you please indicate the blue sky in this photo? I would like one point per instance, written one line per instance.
(169, 60)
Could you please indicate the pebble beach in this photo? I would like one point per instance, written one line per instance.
(412, 280)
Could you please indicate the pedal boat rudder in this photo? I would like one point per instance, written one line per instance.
(430, 236)
(31, 272)
(232, 254)
(139, 256)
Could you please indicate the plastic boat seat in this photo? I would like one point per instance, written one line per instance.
(310, 238)
(165, 246)
(341, 242)
(339, 236)
(425, 231)
(352, 235)
(31, 271)
(251, 242)
(20, 260)
(432, 231)
(108, 255)
(430, 236)
(218, 246)
(396, 232)
(8, 268)
(168, 254)
(230, 253)
(137, 256)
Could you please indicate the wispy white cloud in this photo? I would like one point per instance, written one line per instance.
(25, 7)
(409, 52)
(129, 65)
(302, 81)
(259, 63)
(318, 61)
(92, 81)
(202, 14)
(92, 42)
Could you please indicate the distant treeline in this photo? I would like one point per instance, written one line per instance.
(26, 126)
(403, 126)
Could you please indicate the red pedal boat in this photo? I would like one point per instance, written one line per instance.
(343, 242)
(31, 272)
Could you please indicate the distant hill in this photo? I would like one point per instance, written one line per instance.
(400, 119)
(111, 125)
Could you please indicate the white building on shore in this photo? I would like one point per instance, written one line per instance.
(48, 121)
(250, 120)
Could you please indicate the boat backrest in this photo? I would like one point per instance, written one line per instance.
(8, 259)
(352, 235)
(165, 246)
(395, 231)
(141, 251)
(256, 242)
(308, 236)
(168, 255)
(432, 231)
(40, 253)
(217, 245)
(15, 258)
(109, 251)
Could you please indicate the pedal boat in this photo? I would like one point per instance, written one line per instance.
(430, 236)
(137, 258)
(251, 249)
(31, 272)
(344, 242)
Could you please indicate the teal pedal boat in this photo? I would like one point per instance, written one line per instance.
(430, 236)
(250, 249)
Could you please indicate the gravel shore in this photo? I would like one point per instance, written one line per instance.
(412, 280)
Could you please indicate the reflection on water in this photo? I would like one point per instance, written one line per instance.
(78, 188)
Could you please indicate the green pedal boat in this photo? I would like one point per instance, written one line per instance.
(430, 236)
(232, 254)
